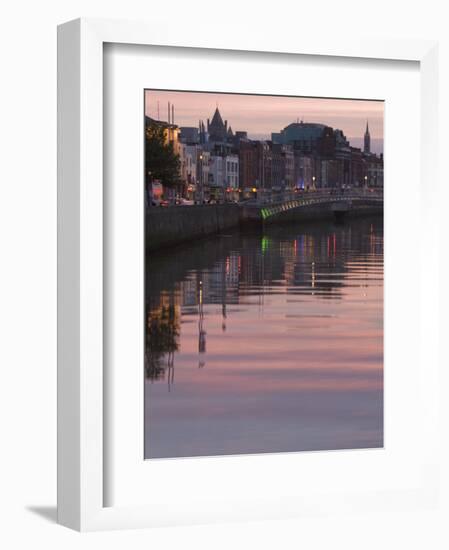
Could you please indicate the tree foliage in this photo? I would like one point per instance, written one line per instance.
(161, 162)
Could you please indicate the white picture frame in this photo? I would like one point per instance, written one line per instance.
(81, 405)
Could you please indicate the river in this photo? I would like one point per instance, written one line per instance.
(266, 341)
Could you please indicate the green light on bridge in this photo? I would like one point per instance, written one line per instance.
(264, 244)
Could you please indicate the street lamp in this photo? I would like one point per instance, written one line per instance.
(201, 178)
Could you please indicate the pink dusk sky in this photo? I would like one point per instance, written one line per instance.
(261, 115)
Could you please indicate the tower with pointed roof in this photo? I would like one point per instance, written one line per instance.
(367, 141)
(217, 129)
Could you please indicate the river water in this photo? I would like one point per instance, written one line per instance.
(266, 342)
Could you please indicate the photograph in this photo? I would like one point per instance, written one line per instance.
(264, 277)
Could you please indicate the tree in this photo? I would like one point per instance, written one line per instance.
(161, 162)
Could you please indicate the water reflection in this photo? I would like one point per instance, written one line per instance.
(162, 337)
(277, 323)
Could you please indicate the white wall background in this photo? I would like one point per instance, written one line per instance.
(28, 266)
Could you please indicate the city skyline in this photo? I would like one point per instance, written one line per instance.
(261, 115)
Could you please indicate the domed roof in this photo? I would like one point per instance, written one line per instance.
(303, 131)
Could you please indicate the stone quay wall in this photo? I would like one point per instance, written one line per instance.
(173, 225)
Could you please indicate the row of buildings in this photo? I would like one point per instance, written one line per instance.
(218, 164)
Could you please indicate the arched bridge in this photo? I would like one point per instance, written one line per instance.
(313, 205)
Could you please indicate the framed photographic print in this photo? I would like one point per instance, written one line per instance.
(234, 332)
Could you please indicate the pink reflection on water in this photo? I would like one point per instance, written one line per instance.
(299, 365)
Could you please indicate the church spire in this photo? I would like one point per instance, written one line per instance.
(367, 140)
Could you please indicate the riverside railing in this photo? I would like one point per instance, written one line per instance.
(268, 209)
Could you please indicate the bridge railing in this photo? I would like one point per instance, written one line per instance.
(322, 193)
(269, 209)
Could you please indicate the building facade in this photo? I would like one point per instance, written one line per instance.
(218, 164)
